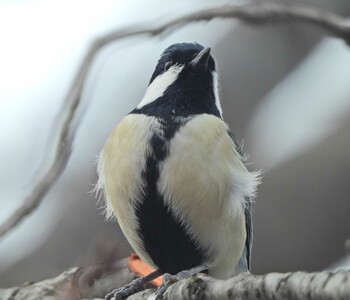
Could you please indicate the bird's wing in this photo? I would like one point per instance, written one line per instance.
(244, 261)
(249, 230)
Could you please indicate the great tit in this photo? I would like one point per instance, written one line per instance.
(174, 176)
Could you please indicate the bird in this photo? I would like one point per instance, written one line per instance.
(175, 177)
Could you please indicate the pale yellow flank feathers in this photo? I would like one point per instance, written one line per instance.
(205, 183)
(120, 165)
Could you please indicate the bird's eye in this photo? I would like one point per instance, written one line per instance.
(168, 65)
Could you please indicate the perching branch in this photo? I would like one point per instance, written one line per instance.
(263, 13)
(246, 286)
(95, 281)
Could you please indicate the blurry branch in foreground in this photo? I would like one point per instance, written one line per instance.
(70, 118)
(77, 283)
(93, 282)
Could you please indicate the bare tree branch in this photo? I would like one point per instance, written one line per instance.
(253, 14)
(96, 281)
(246, 286)
(88, 282)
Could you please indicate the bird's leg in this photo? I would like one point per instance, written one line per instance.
(135, 286)
(169, 279)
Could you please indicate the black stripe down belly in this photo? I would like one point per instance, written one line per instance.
(164, 237)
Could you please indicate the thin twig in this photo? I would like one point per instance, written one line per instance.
(253, 14)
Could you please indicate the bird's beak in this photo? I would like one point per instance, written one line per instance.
(201, 60)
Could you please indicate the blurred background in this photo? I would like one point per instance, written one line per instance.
(285, 91)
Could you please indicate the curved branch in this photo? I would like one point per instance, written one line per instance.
(252, 14)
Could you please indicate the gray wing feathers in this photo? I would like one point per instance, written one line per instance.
(244, 262)
(249, 230)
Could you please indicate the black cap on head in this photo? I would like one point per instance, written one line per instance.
(183, 84)
(190, 55)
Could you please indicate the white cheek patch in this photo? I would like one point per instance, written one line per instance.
(159, 85)
(216, 92)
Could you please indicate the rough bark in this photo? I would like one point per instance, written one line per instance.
(88, 282)
(93, 282)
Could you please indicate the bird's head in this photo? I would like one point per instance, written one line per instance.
(183, 83)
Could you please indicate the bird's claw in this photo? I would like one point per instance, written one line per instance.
(169, 279)
(125, 291)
